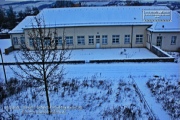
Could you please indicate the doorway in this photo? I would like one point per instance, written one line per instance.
(159, 41)
(97, 41)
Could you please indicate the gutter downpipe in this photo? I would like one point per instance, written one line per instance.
(151, 40)
(132, 26)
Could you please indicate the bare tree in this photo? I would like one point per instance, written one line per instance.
(41, 63)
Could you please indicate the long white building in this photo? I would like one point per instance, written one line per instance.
(106, 27)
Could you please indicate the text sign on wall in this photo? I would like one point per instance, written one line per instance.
(157, 15)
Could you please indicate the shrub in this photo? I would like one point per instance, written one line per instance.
(12, 87)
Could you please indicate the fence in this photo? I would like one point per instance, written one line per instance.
(160, 53)
(154, 117)
(164, 56)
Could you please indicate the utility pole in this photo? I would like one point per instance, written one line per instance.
(3, 67)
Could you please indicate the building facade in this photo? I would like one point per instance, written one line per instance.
(103, 27)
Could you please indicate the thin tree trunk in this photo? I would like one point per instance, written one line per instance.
(47, 96)
(46, 88)
(45, 78)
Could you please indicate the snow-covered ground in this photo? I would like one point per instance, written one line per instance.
(95, 103)
(99, 54)
(81, 99)
(4, 43)
(109, 54)
(176, 55)
(94, 3)
(4, 30)
(92, 54)
(166, 91)
(22, 6)
(140, 72)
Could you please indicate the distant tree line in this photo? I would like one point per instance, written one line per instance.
(60, 4)
(9, 18)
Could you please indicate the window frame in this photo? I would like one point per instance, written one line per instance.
(98, 39)
(58, 40)
(158, 40)
(37, 41)
(15, 41)
(115, 39)
(173, 40)
(69, 40)
(80, 40)
(47, 41)
(139, 39)
(22, 39)
(34, 42)
(104, 39)
(31, 42)
(91, 39)
(127, 39)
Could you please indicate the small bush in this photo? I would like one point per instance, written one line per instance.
(167, 93)
(12, 87)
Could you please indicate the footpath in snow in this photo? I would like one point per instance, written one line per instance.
(155, 107)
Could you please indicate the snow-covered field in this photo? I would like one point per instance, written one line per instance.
(176, 55)
(166, 92)
(4, 43)
(93, 100)
(81, 99)
(110, 54)
(22, 6)
(99, 54)
(110, 74)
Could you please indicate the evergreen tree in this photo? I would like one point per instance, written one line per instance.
(35, 11)
(21, 16)
(2, 18)
(11, 17)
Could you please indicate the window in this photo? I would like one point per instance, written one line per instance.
(47, 41)
(15, 40)
(37, 42)
(173, 40)
(34, 42)
(97, 38)
(159, 41)
(91, 39)
(58, 41)
(69, 40)
(22, 40)
(80, 40)
(126, 39)
(115, 39)
(139, 39)
(31, 42)
(104, 39)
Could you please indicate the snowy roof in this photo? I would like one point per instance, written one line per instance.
(94, 16)
(90, 16)
(19, 28)
(173, 26)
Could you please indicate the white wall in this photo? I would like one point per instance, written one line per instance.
(166, 41)
(102, 30)
(18, 37)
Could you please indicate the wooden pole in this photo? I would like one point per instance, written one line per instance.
(3, 67)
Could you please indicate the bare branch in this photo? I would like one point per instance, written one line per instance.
(43, 46)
